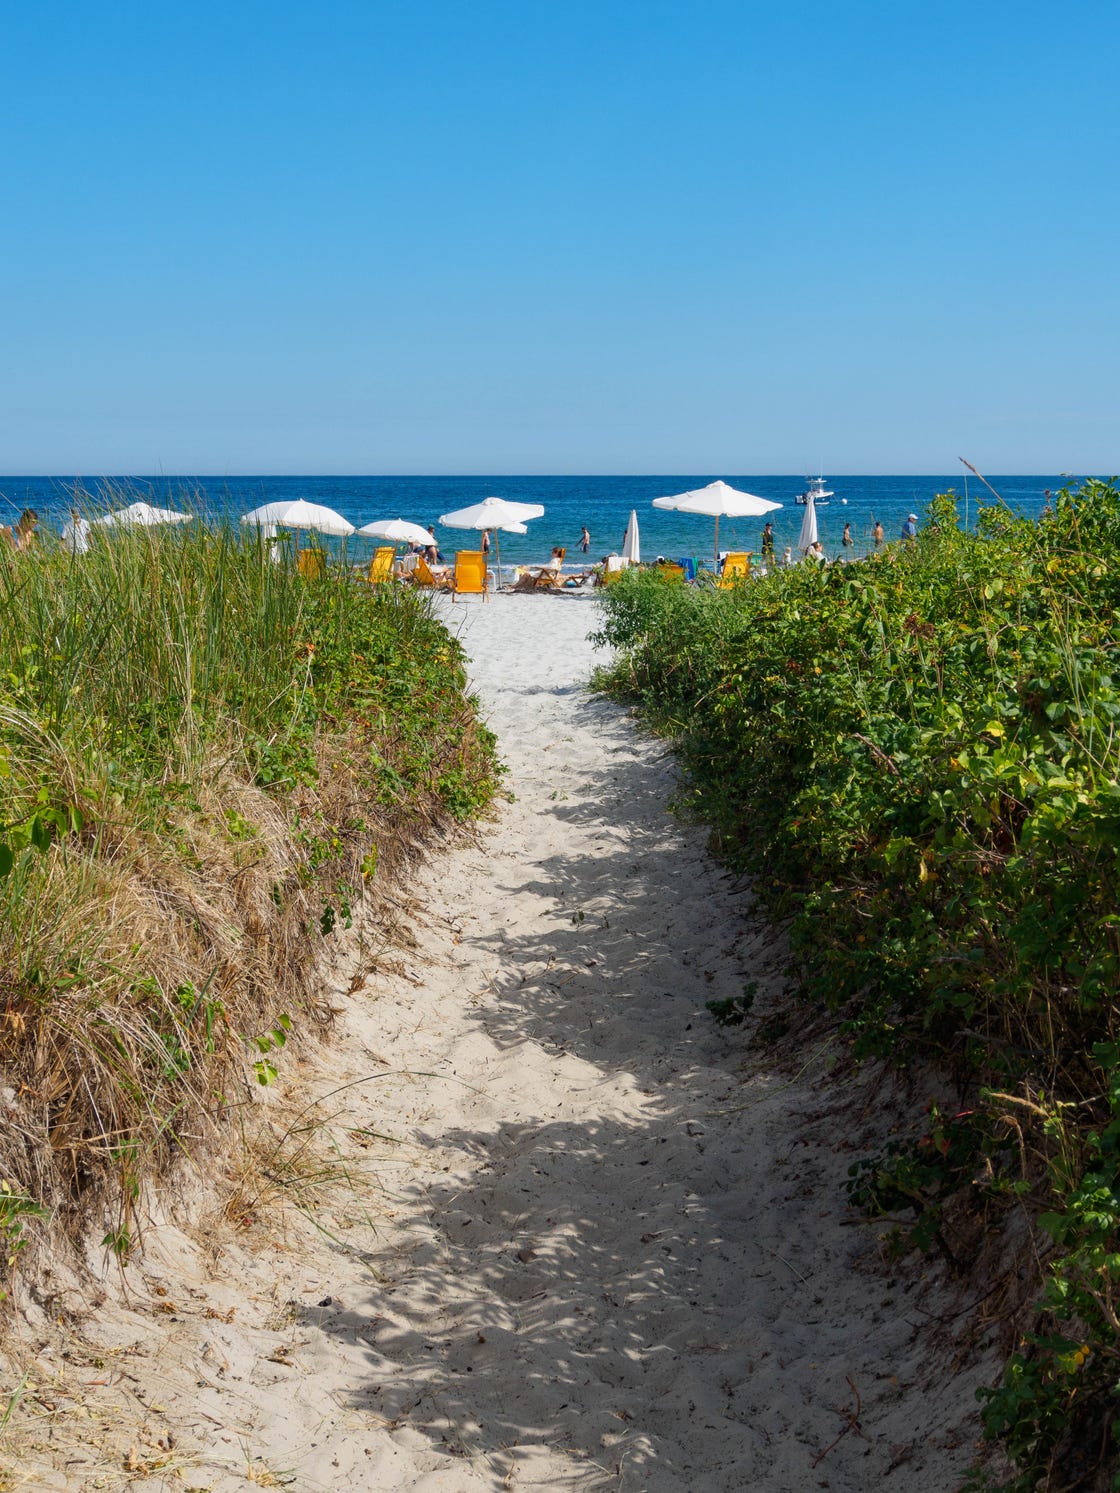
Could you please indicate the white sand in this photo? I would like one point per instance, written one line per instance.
(599, 1251)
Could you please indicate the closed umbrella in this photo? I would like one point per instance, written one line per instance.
(142, 516)
(717, 501)
(808, 535)
(498, 514)
(631, 545)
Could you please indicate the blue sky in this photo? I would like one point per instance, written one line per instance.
(538, 237)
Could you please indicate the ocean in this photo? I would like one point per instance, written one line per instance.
(602, 503)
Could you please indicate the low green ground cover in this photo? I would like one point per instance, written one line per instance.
(918, 758)
(204, 760)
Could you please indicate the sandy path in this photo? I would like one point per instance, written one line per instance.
(597, 1251)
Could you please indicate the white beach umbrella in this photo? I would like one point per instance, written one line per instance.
(498, 514)
(631, 545)
(397, 531)
(808, 526)
(142, 516)
(493, 513)
(717, 501)
(295, 513)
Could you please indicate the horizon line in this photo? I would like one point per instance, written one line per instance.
(480, 475)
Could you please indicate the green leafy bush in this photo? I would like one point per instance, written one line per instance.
(918, 758)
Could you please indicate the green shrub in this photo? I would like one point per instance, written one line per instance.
(918, 759)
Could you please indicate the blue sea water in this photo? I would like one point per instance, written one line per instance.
(602, 503)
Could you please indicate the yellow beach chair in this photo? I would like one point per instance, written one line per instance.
(381, 566)
(736, 569)
(470, 575)
(614, 567)
(422, 575)
(310, 565)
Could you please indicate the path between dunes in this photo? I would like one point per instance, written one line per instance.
(599, 1251)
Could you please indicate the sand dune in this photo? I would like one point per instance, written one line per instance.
(585, 1243)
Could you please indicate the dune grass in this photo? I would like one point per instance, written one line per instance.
(204, 762)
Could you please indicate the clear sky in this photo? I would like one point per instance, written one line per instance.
(531, 236)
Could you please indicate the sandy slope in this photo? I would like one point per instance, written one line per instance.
(584, 1246)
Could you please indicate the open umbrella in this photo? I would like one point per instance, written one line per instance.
(498, 514)
(142, 516)
(397, 531)
(717, 501)
(808, 536)
(631, 545)
(295, 513)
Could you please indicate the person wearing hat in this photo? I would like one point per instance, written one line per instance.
(910, 527)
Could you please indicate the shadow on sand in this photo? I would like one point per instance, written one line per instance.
(566, 1300)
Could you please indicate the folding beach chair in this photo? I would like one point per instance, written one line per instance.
(470, 575)
(736, 569)
(381, 566)
(421, 575)
(616, 564)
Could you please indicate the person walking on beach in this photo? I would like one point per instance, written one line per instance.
(585, 539)
(486, 541)
(877, 534)
(768, 540)
(910, 527)
(846, 538)
(76, 533)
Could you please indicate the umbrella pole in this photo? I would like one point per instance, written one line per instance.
(716, 555)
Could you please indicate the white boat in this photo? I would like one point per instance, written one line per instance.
(817, 491)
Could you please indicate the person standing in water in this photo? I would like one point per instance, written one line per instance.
(877, 534)
(768, 540)
(846, 538)
(585, 539)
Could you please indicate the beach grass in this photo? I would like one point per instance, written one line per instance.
(205, 762)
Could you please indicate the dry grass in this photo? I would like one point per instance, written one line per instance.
(202, 823)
